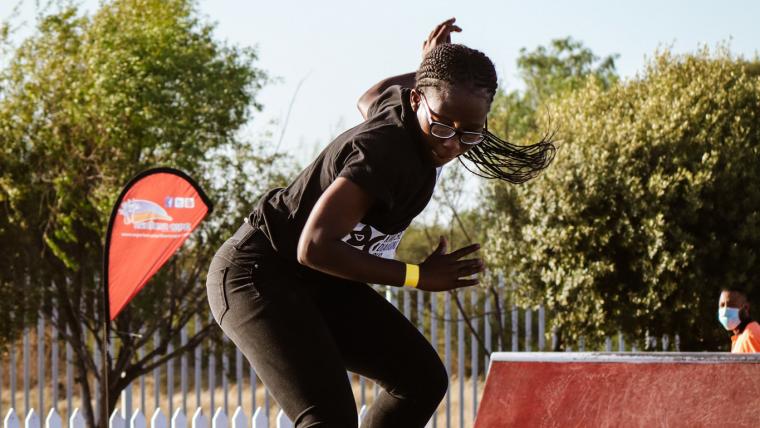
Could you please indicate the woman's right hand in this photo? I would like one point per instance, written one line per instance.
(442, 272)
(441, 34)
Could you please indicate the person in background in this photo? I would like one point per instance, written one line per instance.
(733, 314)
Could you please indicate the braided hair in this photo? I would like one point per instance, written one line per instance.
(450, 65)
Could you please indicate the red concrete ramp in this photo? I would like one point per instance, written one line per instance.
(525, 389)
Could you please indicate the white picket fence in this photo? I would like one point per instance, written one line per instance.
(427, 310)
(158, 420)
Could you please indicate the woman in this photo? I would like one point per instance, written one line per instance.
(290, 287)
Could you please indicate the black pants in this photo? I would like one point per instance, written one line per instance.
(301, 334)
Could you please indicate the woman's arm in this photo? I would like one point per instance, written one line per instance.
(440, 34)
(406, 80)
(338, 210)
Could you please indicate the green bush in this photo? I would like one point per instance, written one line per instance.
(651, 206)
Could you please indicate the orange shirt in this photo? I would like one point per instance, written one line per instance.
(747, 341)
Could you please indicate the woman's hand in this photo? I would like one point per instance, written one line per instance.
(441, 271)
(441, 34)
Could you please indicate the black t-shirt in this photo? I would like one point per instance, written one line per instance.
(384, 155)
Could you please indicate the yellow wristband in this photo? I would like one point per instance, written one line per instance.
(412, 275)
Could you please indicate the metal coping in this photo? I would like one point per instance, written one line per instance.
(627, 357)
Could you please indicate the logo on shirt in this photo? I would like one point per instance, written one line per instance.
(370, 240)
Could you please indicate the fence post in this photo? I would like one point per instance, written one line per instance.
(407, 304)
(156, 377)
(126, 403)
(266, 403)
(53, 419)
(211, 373)
(555, 338)
(170, 380)
(97, 359)
(362, 391)
(179, 420)
(225, 373)
(621, 342)
(32, 420)
(54, 363)
(69, 376)
(158, 420)
(239, 419)
(420, 312)
(501, 291)
(607, 343)
(140, 355)
(541, 328)
(528, 328)
(474, 351)
(41, 365)
(283, 421)
(220, 419)
(199, 421)
(239, 376)
(183, 368)
(11, 419)
(13, 364)
(197, 366)
(27, 374)
(115, 421)
(461, 357)
(137, 420)
(515, 327)
(252, 380)
(258, 420)
(76, 420)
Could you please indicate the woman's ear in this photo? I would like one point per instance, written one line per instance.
(415, 99)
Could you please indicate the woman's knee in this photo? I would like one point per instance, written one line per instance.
(427, 381)
(439, 382)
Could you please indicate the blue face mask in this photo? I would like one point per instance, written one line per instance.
(729, 317)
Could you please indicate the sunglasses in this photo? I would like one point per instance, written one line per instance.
(443, 131)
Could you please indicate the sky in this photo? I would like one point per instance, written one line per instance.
(336, 49)
(341, 48)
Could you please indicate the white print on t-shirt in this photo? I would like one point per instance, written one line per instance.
(368, 239)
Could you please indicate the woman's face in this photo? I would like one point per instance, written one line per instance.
(461, 109)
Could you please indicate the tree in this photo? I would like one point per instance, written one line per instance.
(548, 73)
(85, 104)
(651, 206)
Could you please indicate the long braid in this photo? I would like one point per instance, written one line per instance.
(457, 65)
